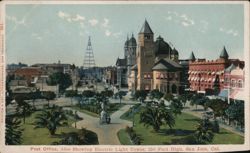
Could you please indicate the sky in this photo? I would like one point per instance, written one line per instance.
(48, 33)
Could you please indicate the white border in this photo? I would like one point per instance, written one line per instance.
(144, 148)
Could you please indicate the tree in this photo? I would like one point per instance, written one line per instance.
(23, 108)
(71, 94)
(51, 119)
(157, 116)
(215, 126)
(35, 95)
(218, 106)
(61, 79)
(49, 95)
(203, 132)
(141, 95)
(195, 100)
(107, 93)
(82, 137)
(176, 106)
(120, 95)
(88, 93)
(13, 131)
(235, 111)
(155, 94)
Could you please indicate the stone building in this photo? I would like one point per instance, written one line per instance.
(157, 64)
(125, 64)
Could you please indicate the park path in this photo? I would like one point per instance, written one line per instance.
(107, 133)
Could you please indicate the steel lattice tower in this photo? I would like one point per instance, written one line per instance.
(89, 60)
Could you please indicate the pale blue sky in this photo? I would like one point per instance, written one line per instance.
(48, 33)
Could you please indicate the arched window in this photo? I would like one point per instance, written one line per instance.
(233, 83)
(240, 83)
(162, 76)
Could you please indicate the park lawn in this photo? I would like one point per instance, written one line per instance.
(123, 137)
(41, 136)
(85, 111)
(184, 127)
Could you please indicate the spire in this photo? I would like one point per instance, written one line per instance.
(192, 57)
(146, 28)
(224, 53)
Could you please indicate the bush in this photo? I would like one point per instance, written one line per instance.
(135, 139)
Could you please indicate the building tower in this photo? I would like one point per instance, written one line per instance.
(89, 60)
(145, 57)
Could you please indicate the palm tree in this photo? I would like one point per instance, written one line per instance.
(151, 117)
(203, 132)
(176, 106)
(51, 119)
(13, 131)
(23, 108)
(156, 116)
(167, 115)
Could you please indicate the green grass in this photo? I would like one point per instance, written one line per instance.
(184, 127)
(123, 137)
(85, 111)
(41, 136)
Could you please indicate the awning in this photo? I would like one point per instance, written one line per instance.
(209, 79)
(189, 72)
(213, 79)
(213, 73)
(202, 79)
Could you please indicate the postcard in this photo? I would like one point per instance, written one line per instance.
(124, 76)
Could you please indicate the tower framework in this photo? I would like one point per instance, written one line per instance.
(89, 60)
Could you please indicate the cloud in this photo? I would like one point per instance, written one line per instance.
(105, 22)
(108, 33)
(78, 18)
(93, 22)
(168, 18)
(229, 31)
(71, 18)
(183, 19)
(16, 21)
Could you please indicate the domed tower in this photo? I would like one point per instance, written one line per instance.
(131, 56)
(162, 49)
(175, 55)
(132, 50)
(126, 48)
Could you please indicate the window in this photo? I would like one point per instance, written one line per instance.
(162, 76)
(233, 83)
(240, 83)
(146, 37)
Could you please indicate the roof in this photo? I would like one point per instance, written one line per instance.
(224, 53)
(162, 47)
(175, 52)
(192, 57)
(121, 62)
(146, 28)
(29, 70)
(167, 64)
(230, 68)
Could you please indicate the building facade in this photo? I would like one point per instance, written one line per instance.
(206, 75)
(157, 64)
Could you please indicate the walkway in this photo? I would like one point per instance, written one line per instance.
(107, 133)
